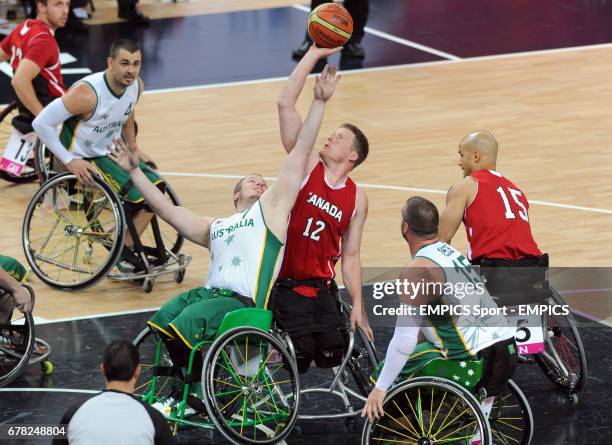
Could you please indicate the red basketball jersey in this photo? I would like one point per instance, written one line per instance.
(319, 219)
(34, 40)
(497, 220)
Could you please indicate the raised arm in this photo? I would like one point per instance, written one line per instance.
(193, 227)
(79, 101)
(289, 119)
(279, 199)
(458, 198)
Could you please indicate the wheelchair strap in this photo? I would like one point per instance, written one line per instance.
(248, 302)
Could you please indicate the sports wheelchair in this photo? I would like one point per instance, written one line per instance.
(553, 343)
(30, 151)
(251, 391)
(73, 236)
(19, 346)
(442, 405)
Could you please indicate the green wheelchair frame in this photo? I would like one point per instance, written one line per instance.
(441, 404)
(282, 400)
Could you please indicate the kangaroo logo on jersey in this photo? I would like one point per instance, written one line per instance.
(324, 205)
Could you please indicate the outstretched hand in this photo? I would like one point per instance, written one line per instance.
(325, 83)
(322, 53)
(123, 155)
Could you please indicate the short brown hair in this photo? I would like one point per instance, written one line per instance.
(360, 144)
(238, 185)
(128, 45)
(422, 217)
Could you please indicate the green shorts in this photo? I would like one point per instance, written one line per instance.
(194, 315)
(118, 178)
(13, 268)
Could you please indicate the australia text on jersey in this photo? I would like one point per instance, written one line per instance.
(218, 233)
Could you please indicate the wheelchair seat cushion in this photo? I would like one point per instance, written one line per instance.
(120, 181)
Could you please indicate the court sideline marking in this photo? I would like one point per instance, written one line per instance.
(387, 68)
(397, 188)
(405, 42)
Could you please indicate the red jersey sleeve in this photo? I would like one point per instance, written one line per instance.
(42, 51)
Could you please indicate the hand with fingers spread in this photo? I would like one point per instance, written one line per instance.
(325, 83)
(83, 170)
(123, 155)
(373, 408)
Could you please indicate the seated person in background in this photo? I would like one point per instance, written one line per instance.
(495, 213)
(35, 59)
(448, 337)
(246, 249)
(12, 293)
(115, 416)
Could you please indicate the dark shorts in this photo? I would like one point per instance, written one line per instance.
(315, 324)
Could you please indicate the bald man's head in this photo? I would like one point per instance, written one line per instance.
(477, 151)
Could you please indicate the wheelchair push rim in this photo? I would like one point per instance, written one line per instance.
(73, 234)
(15, 357)
(428, 410)
(564, 358)
(250, 398)
(511, 419)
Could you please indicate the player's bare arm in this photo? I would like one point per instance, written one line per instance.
(4, 56)
(79, 101)
(22, 84)
(457, 199)
(279, 199)
(193, 227)
(289, 118)
(351, 263)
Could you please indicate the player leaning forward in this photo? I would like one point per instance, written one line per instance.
(246, 248)
(463, 335)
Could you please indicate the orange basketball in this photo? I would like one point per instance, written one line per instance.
(330, 25)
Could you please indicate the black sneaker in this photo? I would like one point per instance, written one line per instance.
(134, 16)
(354, 49)
(301, 50)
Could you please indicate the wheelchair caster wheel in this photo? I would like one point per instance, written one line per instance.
(147, 285)
(179, 275)
(573, 398)
(47, 367)
(351, 424)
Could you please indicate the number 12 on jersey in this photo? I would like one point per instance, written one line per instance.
(314, 234)
(515, 196)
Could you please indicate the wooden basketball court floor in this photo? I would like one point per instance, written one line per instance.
(550, 111)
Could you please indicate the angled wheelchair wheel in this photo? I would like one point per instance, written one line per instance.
(250, 398)
(156, 381)
(16, 346)
(363, 361)
(428, 410)
(6, 128)
(511, 419)
(73, 234)
(564, 359)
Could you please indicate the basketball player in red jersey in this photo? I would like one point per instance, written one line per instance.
(495, 213)
(326, 224)
(34, 55)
